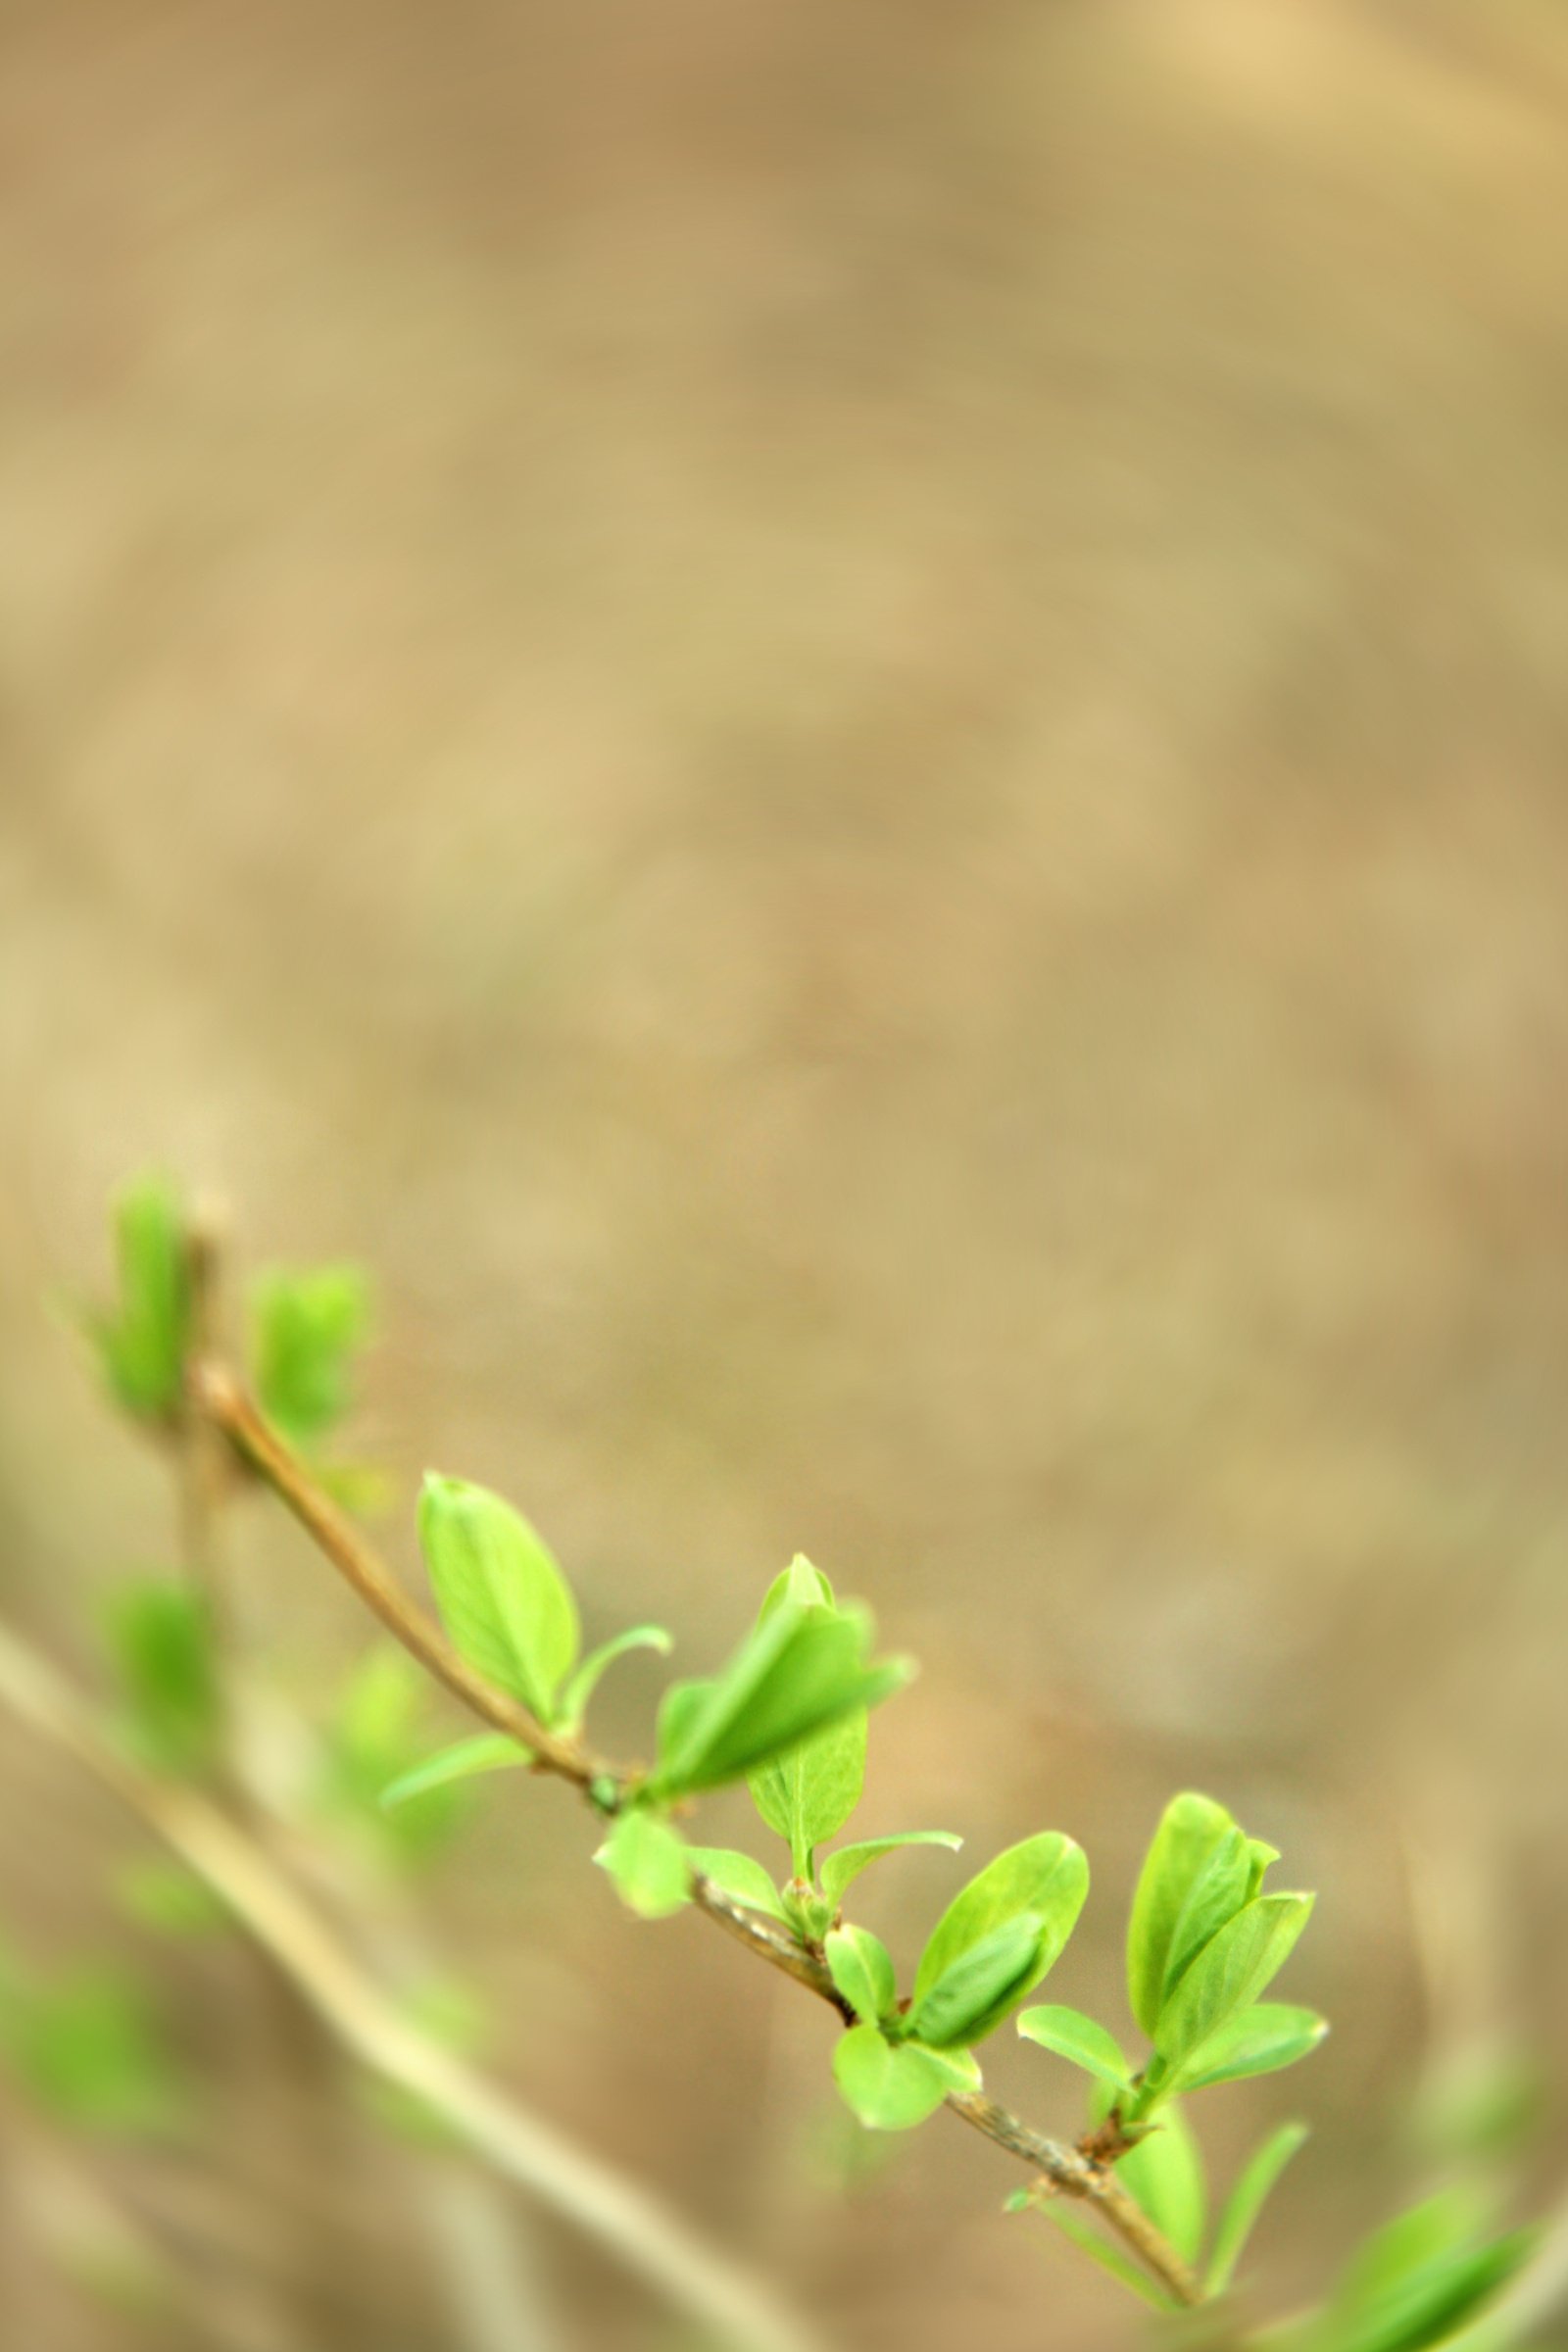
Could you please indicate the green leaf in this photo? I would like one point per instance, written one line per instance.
(972, 1997)
(800, 1669)
(1260, 2041)
(1412, 2287)
(809, 1793)
(1248, 2199)
(144, 1339)
(649, 1864)
(840, 1870)
(161, 1640)
(1228, 1975)
(306, 1328)
(998, 1937)
(739, 1875)
(1215, 1896)
(861, 1968)
(1164, 2174)
(1109, 2257)
(488, 1751)
(584, 1682)
(893, 2087)
(1192, 1827)
(504, 1601)
(85, 2047)
(1261, 1858)
(168, 1897)
(1077, 2037)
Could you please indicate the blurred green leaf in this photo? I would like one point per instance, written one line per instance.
(840, 1869)
(306, 1327)
(168, 1897)
(1101, 2250)
(1416, 2283)
(861, 1967)
(1228, 1975)
(85, 2049)
(1078, 2038)
(1248, 2199)
(1260, 2041)
(161, 1643)
(893, 2087)
(143, 1339)
(583, 1683)
(649, 1864)
(501, 1596)
(1192, 1829)
(739, 1875)
(1164, 2174)
(998, 1937)
(375, 1736)
(487, 1751)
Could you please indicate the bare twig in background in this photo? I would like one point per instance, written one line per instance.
(1069, 2171)
(643, 2235)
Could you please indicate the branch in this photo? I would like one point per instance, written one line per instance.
(643, 2235)
(1069, 2171)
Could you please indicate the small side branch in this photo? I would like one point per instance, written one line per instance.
(217, 1393)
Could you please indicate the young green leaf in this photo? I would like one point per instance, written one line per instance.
(162, 1642)
(1260, 2041)
(981, 1986)
(1101, 2250)
(738, 1874)
(583, 1683)
(1002, 1932)
(1248, 2199)
(504, 1601)
(143, 1340)
(808, 1792)
(1077, 2037)
(1261, 1858)
(1228, 1975)
(487, 1751)
(87, 2048)
(840, 1870)
(1215, 1896)
(649, 1864)
(1164, 2174)
(893, 2087)
(1421, 2301)
(1192, 1827)
(305, 1328)
(800, 1669)
(861, 1968)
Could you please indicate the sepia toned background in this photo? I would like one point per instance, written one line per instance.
(845, 724)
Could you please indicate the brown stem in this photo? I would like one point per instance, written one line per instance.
(218, 1393)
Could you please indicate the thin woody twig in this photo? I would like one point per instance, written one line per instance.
(649, 2240)
(1070, 2171)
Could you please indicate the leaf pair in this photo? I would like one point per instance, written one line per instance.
(1204, 1941)
(801, 1669)
(997, 1938)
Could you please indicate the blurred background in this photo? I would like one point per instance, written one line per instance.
(844, 724)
